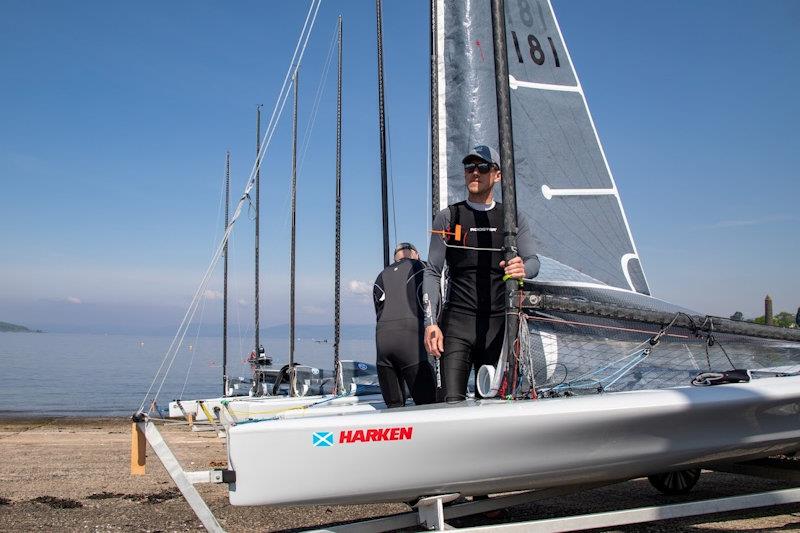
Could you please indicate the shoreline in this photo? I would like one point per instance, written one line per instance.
(72, 474)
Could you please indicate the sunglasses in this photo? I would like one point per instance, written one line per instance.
(483, 168)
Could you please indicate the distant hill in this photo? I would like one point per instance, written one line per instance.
(351, 331)
(15, 328)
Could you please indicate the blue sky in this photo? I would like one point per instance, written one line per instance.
(116, 118)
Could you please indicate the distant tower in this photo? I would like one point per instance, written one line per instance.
(797, 318)
(768, 310)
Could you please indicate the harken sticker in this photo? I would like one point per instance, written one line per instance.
(352, 436)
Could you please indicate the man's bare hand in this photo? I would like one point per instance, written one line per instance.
(515, 268)
(434, 340)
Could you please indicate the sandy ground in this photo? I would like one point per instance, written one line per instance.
(73, 475)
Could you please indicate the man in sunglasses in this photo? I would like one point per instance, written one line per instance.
(401, 357)
(467, 331)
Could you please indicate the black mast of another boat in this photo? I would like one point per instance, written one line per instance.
(225, 278)
(382, 127)
(257, 377)
(337, 366)
(292, 265)
(506, 144)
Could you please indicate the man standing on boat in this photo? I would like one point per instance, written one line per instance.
(468, 237)
(402, 360)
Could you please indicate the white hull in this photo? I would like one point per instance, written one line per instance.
(494, 446)
(245, 407)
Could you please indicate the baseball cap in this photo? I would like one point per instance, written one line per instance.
(482, 151)
(405, 246)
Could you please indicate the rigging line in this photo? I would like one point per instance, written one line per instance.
(603, 326)
(196, 337)
(390, 161)
(317, 100)
(288, 78)
(273, 125)
(589, 375)
(626, 369)
(235, 284)
(310, 126)
(202, 312)
(389, 158)
(182, 336)
(250, 183)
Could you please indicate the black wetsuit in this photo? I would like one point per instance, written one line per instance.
(473, 318)
(399, 332)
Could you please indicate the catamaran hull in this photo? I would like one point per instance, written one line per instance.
(497, 446)
(244, 407)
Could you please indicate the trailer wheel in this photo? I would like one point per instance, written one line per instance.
(675, 483)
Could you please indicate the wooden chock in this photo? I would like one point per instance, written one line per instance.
(138, 449)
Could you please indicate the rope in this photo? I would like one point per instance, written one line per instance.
(317, 100)
(191, 359)
(391, 179)
(277, 111)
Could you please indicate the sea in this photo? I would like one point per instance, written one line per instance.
(93, 375)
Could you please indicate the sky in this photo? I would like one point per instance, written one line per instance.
(115, 119)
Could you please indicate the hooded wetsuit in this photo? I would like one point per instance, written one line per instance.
(401, 356)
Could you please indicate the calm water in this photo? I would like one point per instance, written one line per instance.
(51, 374)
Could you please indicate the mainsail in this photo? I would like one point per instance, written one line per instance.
(564, 184)
(564, 187)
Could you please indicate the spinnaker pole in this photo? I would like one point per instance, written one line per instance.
(506, 142)
(292, 381)
(337, 366)
(382, 127)
(225, 278)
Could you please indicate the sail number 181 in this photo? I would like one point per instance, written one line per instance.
(535, 50)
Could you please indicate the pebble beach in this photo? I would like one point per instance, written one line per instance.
(73, 474)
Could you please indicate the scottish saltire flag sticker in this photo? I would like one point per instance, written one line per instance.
(322, 439)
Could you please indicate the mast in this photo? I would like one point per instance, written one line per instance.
(257, 377)
(225, 279)
(381, 119)
(258, 213)
(434, 103)
(292, 387)
(337, 368)
(506, 142)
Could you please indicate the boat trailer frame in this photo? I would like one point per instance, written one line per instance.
(431, 513)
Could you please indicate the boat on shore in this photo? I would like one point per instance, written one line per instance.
(603, 379)
(598, 382)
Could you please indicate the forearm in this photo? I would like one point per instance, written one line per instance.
(526, 248)
(432, 281)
